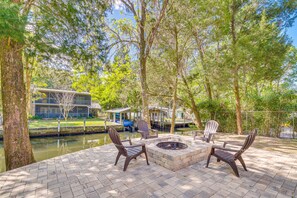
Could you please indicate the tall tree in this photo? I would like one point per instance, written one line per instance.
(148, 16)
(234, 10)
(17, 146)
(68, 33)
(64, 33)
(174, 42)
(249, 51)
(115, 86)
(190, 100)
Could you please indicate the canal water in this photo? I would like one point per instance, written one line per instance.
(49, 147)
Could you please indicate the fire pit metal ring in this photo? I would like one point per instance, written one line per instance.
(172, 145)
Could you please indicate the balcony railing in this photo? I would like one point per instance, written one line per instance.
(82, 102)
(53, 101)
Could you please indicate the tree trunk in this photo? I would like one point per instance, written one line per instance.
(207, 82)
(65, 117)
(194, 107)
(142, 61)
(28, 77)
(197, 120)
(206, 79)
(144, 95)
(236, 68)
(238, 105)
(17, 146)
(174, 99)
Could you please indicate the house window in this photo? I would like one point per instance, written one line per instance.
(43, 109)
(54, 110)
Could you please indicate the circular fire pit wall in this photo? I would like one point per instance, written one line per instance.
(172, 145)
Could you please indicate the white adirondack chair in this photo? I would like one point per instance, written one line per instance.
(209, 131)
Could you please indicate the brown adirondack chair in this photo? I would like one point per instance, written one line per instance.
(130, 152)
(144, 130)
(226, 155)
(209, 131)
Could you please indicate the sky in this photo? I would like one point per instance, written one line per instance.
(292, 32)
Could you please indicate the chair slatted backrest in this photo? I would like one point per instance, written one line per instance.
(210, 128)
(115, 138)
(248, 142)
(143, 126)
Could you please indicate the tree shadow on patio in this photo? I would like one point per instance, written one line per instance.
(285, 146)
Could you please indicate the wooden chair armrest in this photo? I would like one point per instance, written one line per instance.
(129, 140)
(137, 145)
(231, 143)
(195, 134)
(223, 148)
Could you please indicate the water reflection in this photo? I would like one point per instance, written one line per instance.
(45, 148)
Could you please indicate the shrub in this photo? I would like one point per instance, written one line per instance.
(36, 117)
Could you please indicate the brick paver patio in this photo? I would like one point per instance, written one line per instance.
(91, 173)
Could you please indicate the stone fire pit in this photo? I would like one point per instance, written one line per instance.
(177, 159)
(172, 145)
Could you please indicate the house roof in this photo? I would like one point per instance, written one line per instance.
(164, 109)
(127, 109)
(119, 110)
(60, 91)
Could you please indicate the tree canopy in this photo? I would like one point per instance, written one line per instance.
(211, 57)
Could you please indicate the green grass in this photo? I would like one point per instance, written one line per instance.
(69, 123)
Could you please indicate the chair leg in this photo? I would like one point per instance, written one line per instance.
(234, 167)
(146, 158)
(127, 161)
(208, 159)
(117, 159)
(242, 162)
(209, 155)
(194, 136)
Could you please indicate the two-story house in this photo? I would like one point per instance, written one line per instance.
(46, 105)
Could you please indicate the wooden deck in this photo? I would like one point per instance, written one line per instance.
(167, 125)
